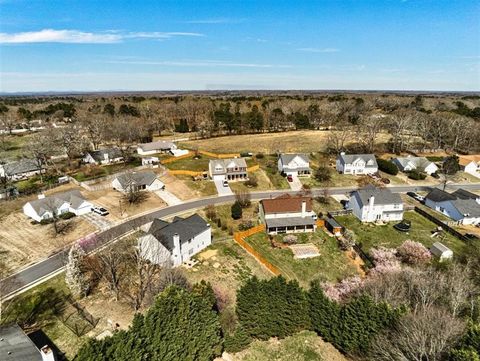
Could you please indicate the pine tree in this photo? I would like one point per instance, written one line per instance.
(324, 314)
(237, 341)
(236, 210)
(74, 277)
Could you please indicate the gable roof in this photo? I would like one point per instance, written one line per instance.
(464, 194)
(224, 163)
(438, 249)
(420, 163)
(186, 228)
(137, 178)
(467, 207)
(21, 166)
(15, 341)
(43, 205)
(286, 204)
(350, 158)
(437, 195)
(382, 196)
(467, 159)
(158, 145)
(287, 158)
(99, 155)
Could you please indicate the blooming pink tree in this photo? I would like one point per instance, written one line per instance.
(341, 290)
(385, 260)
(413, 253)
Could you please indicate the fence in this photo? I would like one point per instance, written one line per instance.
(218, 155)
(342, 212)
(239, 237)
(320, 223)
(173, 159)
(186, 172)
(442, 224)
(253, 168)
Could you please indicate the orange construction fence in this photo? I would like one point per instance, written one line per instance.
(185, 172)
(218, 155)
(173, 159)
(239, 237)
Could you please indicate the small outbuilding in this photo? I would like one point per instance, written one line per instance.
(441, 251)
(333, 226)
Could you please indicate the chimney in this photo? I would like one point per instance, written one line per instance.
(304, 208)
(41, 196)
(47, 353)
(177, 251)
(371, 201)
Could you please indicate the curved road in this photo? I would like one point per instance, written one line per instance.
(42, 270)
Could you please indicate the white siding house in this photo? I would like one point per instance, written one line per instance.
(458, 205)
(356, 164)
(160, 146)
(145, 180)
(294, 164)
(421, 164)
(56, 204)
(228, 169)
(372, 204)
(470, 164)
(171, 244)
(103, 156)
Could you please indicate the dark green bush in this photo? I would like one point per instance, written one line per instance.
(387, 166)
(416, 175)
(236, 210)
(237, 341)
(66, 215)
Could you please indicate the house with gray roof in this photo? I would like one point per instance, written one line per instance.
(461, 206)
(294, 164)
(372, 204)
(15, 345)
(22, 169)
(46, 207)
(421, 164)
(103, 156)
(228, 169)
(137, 181)
(356, 164)
(160, 146)
(175, 242)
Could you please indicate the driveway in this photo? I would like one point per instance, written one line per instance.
(168, 197)
(295, 185)
(221, 190)
(98, 221)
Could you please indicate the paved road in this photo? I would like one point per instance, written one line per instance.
(34, 274)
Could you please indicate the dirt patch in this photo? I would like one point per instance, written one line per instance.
(177, 187)
(357, 261)
(207, 254)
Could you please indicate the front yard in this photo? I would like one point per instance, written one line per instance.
(371, 235)
(332, 264)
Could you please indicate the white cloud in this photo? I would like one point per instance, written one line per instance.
(82, 37)
(319, 50)
(199, 63)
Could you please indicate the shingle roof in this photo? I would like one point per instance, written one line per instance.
(158, 145)
(286, 204)
(99, 155)
(467, 207)
(437, 195)
(287, 158)
(464, 194)
(15, 341)
(289, 221)
(224, 163)
(381, 196)
(419, 163)
(350, 158)
(43, 205)
(186, 228)
(21, 166)
(137, 178)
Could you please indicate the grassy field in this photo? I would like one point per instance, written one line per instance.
(304, 141)
(14, 146)
(268, 163)
(200, 188)
(89, 173)
(371, 235)
(264, 183)
(200, 164)
(332, 264)
(303, 346)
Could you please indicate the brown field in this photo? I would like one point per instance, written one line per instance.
(303, 141)
(177, 187)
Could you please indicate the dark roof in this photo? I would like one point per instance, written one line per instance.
(16, 346)
(286, 204)
(467, 207)
(333, 223)
(186, 228)
(437, 195)
(158, 145)
(99, 155)
(289, 221)
(464, 194)
(137, 178)
(21, 166)
(381, 196)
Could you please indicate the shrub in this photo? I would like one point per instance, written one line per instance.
(252, 181)
(323, 174)
(66, 215)
(245, 225)
(435, 175)
(259, 156)
(387, 166)
(236, 210)
(211, 213)
(413, 253)
(237, 341)
(416, 175)
(243, 198)
(46, 221)
(290, 239)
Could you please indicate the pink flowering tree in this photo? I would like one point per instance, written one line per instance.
(413, 253)
(341, 290)
(385, 260)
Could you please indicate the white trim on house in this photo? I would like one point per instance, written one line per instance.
(294, 165)
(356, 164)
(372, 204)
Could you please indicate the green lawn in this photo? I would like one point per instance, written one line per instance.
(337, 180)
(371, 235)
(332, 264)
(269, 164)
(203, 187)
(190, 163)
(13, 146)
(89, 173)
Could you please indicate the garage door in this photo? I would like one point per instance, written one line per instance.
(219, 177)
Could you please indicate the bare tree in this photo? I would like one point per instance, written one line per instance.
(243, 198)
(111, 266)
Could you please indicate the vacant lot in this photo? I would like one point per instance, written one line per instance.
(304, 346)
(371, 235)
(332, 264)
(178, 187)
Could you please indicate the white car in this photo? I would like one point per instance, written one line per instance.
(100, 210)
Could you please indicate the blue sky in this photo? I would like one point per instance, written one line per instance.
(209, 44)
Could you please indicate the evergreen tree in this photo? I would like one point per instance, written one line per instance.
(74, 277)
(255, 119)
(324, 314)
(236, 210)
(237, 341)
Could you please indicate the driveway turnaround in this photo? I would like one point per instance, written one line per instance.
(40, 271)
(221, 190)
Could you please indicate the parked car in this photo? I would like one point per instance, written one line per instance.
(100, 210)
(416, 196)
(225, 183)
(289, 178)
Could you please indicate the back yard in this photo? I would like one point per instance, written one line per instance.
(371, 235)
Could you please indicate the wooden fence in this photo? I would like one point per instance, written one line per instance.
(186, 172)
(173, 159)
(442, 224)
(239, 237)
(253, 168)
(218, 155)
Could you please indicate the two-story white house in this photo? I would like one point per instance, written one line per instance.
(421, 164)
(461, 205)
(294, 165)
(356, 164)
(288, 214)
(228, 169)
(57, 204)
(160, 146)
(103, 156)
(137, 181)
(371, 204)
(171, 244)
